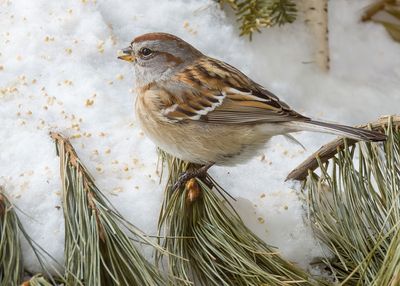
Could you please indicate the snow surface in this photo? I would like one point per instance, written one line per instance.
(59, 71)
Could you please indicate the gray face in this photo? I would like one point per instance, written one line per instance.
(156, 60)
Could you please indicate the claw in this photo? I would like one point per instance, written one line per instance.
(185, 177)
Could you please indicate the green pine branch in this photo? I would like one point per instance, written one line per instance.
(254, 15)
(354, 204)
(11, 257)
(99, 246)
(11, 266)
(211, 243)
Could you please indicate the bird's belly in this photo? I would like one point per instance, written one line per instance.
(204, 143)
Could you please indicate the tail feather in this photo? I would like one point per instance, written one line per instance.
(341, 130)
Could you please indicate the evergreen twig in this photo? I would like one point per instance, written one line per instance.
(354, 203)
(98, 250)
(256, 14)
(11, 259)
(198, 223)
(11, 266)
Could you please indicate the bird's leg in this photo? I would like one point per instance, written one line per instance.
(190, 174)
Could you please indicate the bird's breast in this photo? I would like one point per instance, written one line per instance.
(164, 134)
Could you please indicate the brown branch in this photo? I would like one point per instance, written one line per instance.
(373, 9)
(74, 159)
(86, 179)
(329, 150)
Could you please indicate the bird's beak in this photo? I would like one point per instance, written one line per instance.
(126, 55)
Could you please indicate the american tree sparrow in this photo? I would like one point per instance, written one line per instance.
(205, 111)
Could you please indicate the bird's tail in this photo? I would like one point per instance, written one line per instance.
(341, 130)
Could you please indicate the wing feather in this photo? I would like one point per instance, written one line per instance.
(215, 92)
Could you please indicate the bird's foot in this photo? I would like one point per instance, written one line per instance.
(190, 174)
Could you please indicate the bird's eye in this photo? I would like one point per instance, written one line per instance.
(145, 52)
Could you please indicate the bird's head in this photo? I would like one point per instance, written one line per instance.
(158, 56)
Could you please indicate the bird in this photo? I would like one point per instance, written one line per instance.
(207, 112)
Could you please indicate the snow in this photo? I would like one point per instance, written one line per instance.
(59, 72)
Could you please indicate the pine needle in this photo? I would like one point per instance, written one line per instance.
(198, 224)
(354, 206)
(11, 259)
(37, 280)
(98, 250)
(256, 14)
(11, 266)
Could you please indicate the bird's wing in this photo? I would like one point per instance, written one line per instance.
(215, 92)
